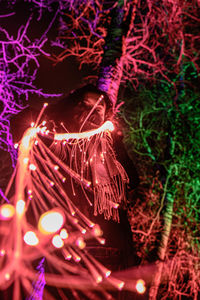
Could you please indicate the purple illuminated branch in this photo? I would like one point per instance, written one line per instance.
(18, 70)
(38, 286)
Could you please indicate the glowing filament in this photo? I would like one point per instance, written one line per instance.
(140, 286)
(30, 238)
(6, 211)
(51, 221)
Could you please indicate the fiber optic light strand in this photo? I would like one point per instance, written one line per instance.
(108, 125)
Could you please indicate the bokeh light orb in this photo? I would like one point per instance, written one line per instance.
(57, 241)
(31, 239)
(140, 286)
(7, 211)
(64, 234)
(51, 221)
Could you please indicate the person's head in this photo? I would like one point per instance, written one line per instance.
(86, 103)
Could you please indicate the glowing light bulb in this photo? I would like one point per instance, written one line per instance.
(45, 104)
(57, 241)
(140, 286)
(20, 207)
(31, 239)
(56, 167)
(63, 234)
(16, 145)
(51, 221)
(6, 211)
(32, 124)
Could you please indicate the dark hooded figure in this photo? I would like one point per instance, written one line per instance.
(111, 172)
(81, 111)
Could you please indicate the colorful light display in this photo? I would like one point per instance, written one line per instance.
(45, 220)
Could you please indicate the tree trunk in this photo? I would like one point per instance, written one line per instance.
(111, 68)
(163, 246)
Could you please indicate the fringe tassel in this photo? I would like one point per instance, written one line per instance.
(108, 197)
(108, 181)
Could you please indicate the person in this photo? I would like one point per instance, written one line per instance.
(85, 109)
(82, 111)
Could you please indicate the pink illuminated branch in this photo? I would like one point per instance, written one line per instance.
(19, 64)
(158, 39)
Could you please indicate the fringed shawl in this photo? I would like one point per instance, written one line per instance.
(92, 163)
